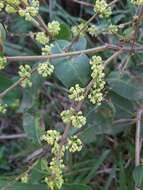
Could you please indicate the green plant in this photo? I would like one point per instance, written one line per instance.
(101, 92)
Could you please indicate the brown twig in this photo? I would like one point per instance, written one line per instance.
(83, 3)
(74, 53)
(13, 136)
(138, 142)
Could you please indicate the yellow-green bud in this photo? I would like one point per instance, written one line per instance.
(51, 137)
(55, 179)
(95, 96)
(137, 2)
(112, 28)
(74, 144)
(47, 49)
(3, 108)
(30, 11)
(1, 5)
(78, 120)
(102, 9)
(75, 118)
(25, 74)
(45, 69)
(76, 93)
(42, 38)
(9, 9)
(54, 28)
(67, 114)
(24, 178)
(3, 62)
(78, 30)
(93, 30)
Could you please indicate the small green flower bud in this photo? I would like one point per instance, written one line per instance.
(102, 9)
(74, 144)
(25, 74)
(137, 2)
(54, 28)
(93, 30)
(42, 38)
(47, 49)
(51, 137)
(75, 118)
(78, 120)
(95, 96)
(76, 93)
(9, 9)
(1, 5)
(24, 178)
(30, 11)
(67, 114)
(78, 30)
(3, 62)
(3, 108)
(55, 179)
(45, 69)
(112, 29)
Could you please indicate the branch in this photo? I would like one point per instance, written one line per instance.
(13, 136)
(74, 53)
(83, 3)
(138, 137)
(138, 142)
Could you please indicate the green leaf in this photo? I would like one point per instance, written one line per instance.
(75, 70)
(6, 82)
(32, 128)
(20, 186)
(70, 70)
(97, 164)
(26, 102)
(2, 34)
(125, 85)
(65, 32)
(138, 176)
(99, 121)
(75, 187)
(81, 44)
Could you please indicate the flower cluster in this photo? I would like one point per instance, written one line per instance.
(112, 29)
(51, 137)
(78, 30)
(74, 144)
(76, 93)
(93, 30)
(137, 2)
(55, 179)
(3, 62)
(25, 74)
(54, 28)
(27, 9)
(1, 5)
(45, 69)
(11, 6)
(42, 38)
(24, 178)
(97, 75)
(47, 49)
(30, 11)
(75, 118)
(102, 9)
(3, 108)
